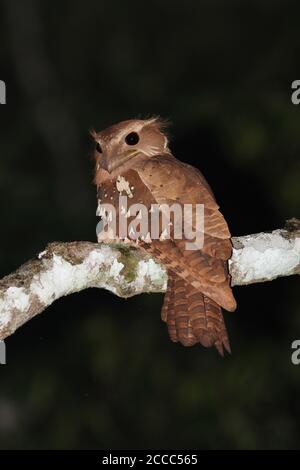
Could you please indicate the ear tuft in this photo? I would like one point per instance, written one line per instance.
(161, 124)
(157, 121)
(93, 134)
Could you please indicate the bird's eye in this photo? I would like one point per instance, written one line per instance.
(98, 148)
(132, 138)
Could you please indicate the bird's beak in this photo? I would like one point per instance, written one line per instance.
(110, 163)
(103, 164)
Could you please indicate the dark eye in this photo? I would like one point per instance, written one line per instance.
(98, 148)
(132, 138)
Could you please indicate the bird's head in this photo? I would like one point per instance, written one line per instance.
(118, 146)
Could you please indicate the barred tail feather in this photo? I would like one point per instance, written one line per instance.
(192, 317)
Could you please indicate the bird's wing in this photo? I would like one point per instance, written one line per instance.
(171, 181)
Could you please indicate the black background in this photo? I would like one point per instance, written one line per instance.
(95, 371)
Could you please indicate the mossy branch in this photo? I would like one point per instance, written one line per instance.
(64, 268)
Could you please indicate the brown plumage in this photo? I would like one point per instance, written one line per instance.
(133, 159)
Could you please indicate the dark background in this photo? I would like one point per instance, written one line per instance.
(95, 371)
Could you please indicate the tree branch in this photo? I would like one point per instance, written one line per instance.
(65, 268)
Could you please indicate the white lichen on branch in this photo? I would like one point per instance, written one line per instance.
(64, 268)
(264, 256)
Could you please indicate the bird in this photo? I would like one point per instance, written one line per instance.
(133, 160)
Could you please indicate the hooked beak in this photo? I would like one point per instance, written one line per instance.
(110, 163)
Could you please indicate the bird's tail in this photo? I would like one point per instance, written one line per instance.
(192, 317)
